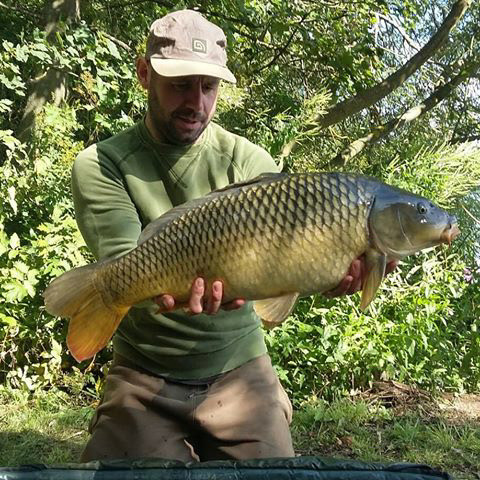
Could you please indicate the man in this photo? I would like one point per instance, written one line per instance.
(194, 385)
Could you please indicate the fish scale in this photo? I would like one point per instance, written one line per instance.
(304, 223)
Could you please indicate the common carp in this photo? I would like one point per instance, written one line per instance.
(270, 240)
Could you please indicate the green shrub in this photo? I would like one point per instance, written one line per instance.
(421, 329)
(39, 240)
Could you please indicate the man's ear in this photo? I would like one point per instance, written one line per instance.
(142, 72)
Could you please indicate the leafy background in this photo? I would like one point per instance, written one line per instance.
(293, 61)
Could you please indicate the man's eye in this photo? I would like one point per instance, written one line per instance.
(180, 86)
(208, 87)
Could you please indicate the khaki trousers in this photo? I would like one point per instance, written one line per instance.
(244, 413)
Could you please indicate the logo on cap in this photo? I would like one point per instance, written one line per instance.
(199, 45)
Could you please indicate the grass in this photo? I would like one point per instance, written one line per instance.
(50, 427)
(47, 427)
(372, 432)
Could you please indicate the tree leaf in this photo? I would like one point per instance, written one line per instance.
(113, 49)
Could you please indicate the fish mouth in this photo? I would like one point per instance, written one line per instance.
(449, 234)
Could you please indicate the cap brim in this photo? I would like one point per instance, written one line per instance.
(171, 67)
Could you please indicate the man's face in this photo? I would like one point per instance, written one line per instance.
(180, 108)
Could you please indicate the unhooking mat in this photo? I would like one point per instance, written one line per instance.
(302, 468)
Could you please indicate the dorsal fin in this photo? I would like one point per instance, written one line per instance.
(160, 223)
(266, 177)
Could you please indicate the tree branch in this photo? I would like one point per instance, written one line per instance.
(284, 48)
(401, 30)
(368, 97)
(118, 42)
(124, 45)
(410, 115)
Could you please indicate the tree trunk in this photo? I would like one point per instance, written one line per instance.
(49, 85)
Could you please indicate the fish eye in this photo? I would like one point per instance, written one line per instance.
(421, 208)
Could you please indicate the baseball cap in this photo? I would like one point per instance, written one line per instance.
(186, 43)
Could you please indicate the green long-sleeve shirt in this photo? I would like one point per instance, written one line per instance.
(120, 185)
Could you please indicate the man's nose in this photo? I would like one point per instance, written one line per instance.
(194, 99)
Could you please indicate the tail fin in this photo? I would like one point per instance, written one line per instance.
(92, 323)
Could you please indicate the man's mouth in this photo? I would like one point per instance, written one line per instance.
(187, 122)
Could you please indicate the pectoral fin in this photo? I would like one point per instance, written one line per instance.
(375, 263)
(274, 311)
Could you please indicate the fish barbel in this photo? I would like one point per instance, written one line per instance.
(270, 240)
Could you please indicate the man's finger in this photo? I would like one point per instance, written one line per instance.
(165, 303)
(215, 298)
(195, 303)
(355, 286)
(341, 289)
(234, 304)
(356, 272)
(355, 269)
(391, 266)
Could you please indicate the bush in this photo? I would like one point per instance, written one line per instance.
(421, 329)
(39, 240)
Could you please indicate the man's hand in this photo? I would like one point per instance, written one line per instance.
(200, 300)
(355, 277)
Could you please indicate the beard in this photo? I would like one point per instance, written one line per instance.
(172, 127)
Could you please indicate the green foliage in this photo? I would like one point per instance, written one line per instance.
(272, 130)
(38, 241)
(104, 94)
(442, 172)
(39, 238)
(421, 329)
(292, 59)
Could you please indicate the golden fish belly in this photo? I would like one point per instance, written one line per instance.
(298, 235)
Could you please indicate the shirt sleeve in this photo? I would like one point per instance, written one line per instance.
(253, 160)
(105, 213)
